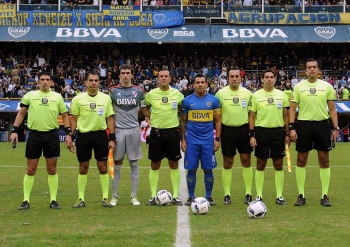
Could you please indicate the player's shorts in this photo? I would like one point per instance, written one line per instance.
(233, 138)
(94, 140)
(47, 142)
(270, 142)
(167, 145)
(128, 142)
(200, 152)
(313, 135)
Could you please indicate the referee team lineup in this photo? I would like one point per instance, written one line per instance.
(262, 123)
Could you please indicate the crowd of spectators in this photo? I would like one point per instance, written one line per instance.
(18, 73)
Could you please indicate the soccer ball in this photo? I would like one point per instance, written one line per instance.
(200, 205)
(256, 209)
(163, 198)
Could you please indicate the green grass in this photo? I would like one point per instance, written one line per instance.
(126, 225)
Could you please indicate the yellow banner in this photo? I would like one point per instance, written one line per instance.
(122, 11)
(7, 10)
(286, 18)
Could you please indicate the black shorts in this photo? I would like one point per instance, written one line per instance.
(270, 142)
(233, 138)
(95, 140)
(313, 135)
(47, 143)
(166, 145)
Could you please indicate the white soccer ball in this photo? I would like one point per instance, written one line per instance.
(163, 198)
(256, 209)
(200, 205)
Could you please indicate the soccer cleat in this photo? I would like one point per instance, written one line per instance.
(134, 201)
(177, 201)
(227, 199)
(247, 199)
(301, 201)
(106, 203)
(258, 198)
(325, 201)
(55, 205)
(189, 201)
(79, 203)
(280, 201)
(114, 201)
(211, 201)
(25, 205)
(151, 202)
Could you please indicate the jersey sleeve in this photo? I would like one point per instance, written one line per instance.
(185, 104)
(74, 107)
(253, 103)
(26, 99)
(148, 98)
(142, 99)
(295, 95)
(330, 93)
(109, 108)
(180, 97)
(285, 102)
(61, 105)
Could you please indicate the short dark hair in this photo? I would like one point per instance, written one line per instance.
(200, 76)
(267, 71)
(92, 73)
(125, 66)
(44, 73)
(312, 60)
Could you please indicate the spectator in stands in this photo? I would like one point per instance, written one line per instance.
(41, 60)
(21, 92)
(114, 3)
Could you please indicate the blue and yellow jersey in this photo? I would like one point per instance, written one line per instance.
(200, 112)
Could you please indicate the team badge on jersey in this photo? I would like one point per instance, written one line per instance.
(44, 101)
(279, 104)
(100, 111)
(312, 90)
(270, 100)
(244, 103)
(208, 103)
(165, 99)
(92, 106)
(134, 94)
(235, 100)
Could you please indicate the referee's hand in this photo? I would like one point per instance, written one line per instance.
(293, 136)
(69, 144)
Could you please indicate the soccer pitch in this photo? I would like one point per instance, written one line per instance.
(127, 225)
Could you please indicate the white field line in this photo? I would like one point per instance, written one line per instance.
(183, 230)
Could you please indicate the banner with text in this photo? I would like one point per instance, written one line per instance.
(286, 18)
(184, 34)
(121, 17)
(280, 34)
(7, 10)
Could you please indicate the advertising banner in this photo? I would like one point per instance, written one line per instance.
(123, 16)
(287, 18)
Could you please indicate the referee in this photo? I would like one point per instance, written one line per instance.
(43, 136)
(234, 102)
(268, 120)
(164, 137)
(92, 113)
(312, 131)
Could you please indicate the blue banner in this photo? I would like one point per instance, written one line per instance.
(121, 17)
(275, 33)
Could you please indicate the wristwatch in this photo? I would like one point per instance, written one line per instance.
(336, 128)
(217, 139)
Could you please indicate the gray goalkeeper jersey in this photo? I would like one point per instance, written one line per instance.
(126, 103)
